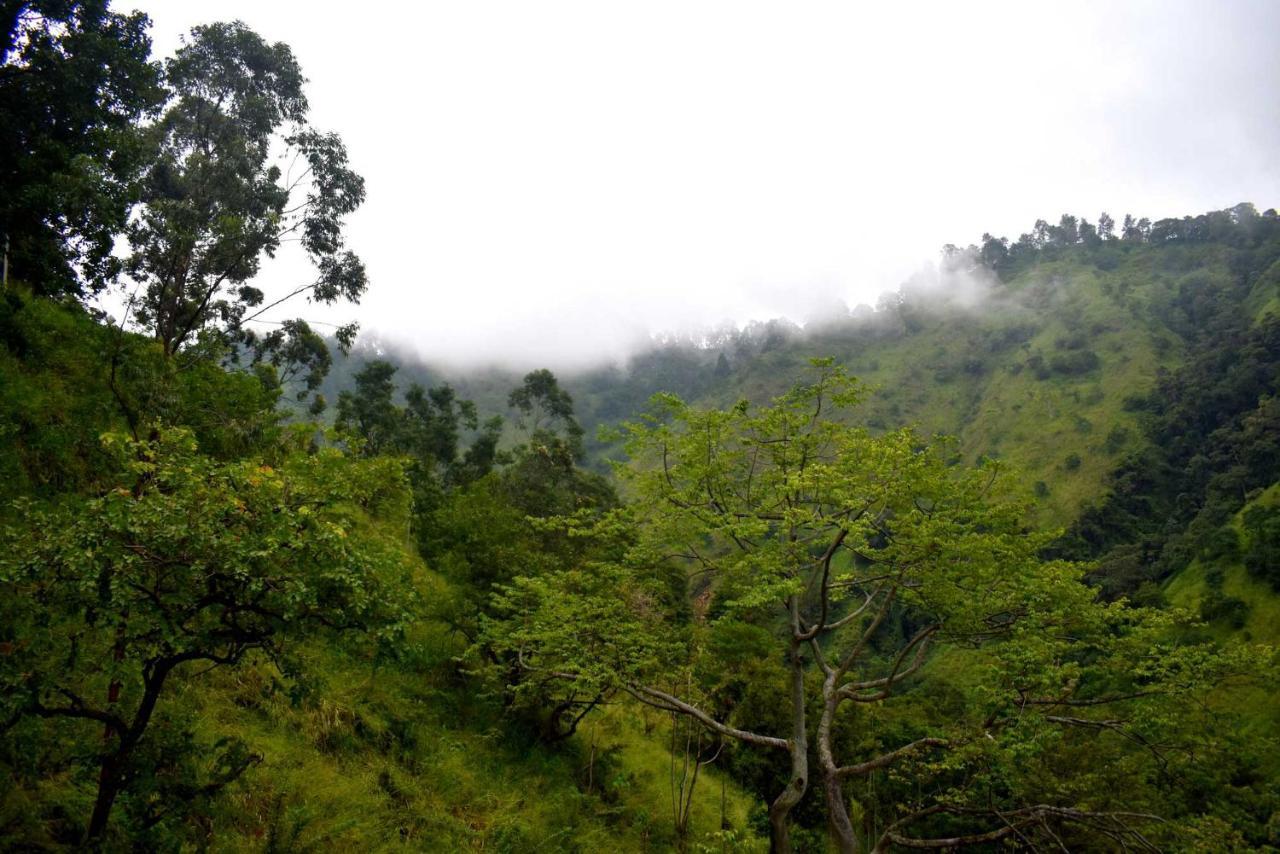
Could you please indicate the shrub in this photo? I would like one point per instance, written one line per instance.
(1221, 545)
(1116, 439)
(1075, 362)
(1217, 608)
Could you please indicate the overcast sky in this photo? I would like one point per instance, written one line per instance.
(549, 182)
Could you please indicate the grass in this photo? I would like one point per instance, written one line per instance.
(413, 757)
(1188, 588)
(1255, 704)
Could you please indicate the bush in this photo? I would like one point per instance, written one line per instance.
(1148, 595)
(1072, 462)
(1221, 546)
(1116, 439)
(1038, 367)
(1075, 362)
(1217, 608)
(1262, 559)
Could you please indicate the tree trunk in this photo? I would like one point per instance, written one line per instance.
(108, 788)
(838, 823)
(842, 833)
(780, 809)
(111, 778)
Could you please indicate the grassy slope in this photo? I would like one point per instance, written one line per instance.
(404, 757)
(1188, 587)
(1000, 408)
(384, 759)
(382, 763)
(1261, 713)
(968, 373)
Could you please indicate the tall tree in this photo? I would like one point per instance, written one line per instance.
(216, 202)
(1106, 226)
(75, 79)
(546, 409)
(545, 479)
(860, 556)
(1067, 232)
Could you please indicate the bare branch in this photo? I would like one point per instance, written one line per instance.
(667, 702)
(891, 757)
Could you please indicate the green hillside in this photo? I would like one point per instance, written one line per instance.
(1207, 579)
(1073, 355)
(351, 749)
(1038, 366)
(994, 565)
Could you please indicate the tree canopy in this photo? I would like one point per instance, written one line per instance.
(866, 561)
(217, 201)
(76, 79)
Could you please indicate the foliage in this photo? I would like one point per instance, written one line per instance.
(185, 562)
(214, 633)
(1212, 429)
(214, 205)
(75, 79)
(857, 556)
(1262, 557)
(426, 431)
(65, 379)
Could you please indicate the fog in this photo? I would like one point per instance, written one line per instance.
(553, 183)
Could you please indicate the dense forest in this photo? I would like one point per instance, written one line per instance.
(994, 564)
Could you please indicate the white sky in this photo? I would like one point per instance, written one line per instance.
(550, 182)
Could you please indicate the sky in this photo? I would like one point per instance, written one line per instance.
(552, 183)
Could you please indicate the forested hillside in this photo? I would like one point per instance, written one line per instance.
(1073, 357)
(263, 590)
(1126, 380)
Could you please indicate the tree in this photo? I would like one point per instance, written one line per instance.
(75, 79)
(1067, 232)
(544, 408)
(1089, 234)
(544, 478)
(859, 556)
(299, 355)
(370, 411)
(187, 563)
(214, 203)
(995, 253)
(427, 431)
(1262, 558)
(723, 368)
(1106, 226)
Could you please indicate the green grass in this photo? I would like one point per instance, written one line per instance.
(1264, 297)
(413, 757)
(1255, 704)
(1187, 588)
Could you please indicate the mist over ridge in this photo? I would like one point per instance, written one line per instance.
(615, 342)
(955, 279)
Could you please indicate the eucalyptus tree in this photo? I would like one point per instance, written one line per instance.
(545, 410)
(238, 172)
(867, 559)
